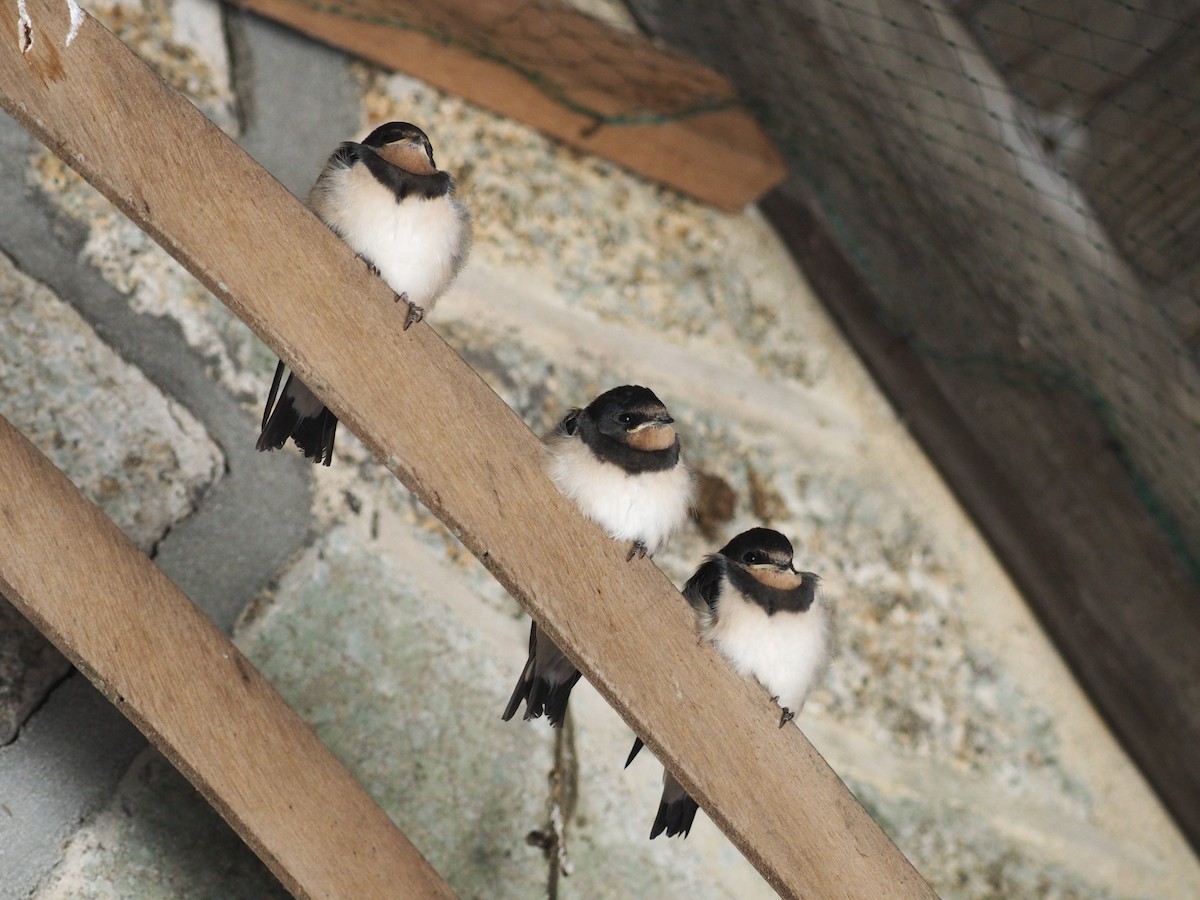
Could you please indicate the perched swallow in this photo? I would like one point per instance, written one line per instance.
(618, 459)
(767, 620)
(387, 199)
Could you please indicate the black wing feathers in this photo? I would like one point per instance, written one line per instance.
(638, 744)
(570, 423)
(313, 435)
(271, 398)
(540, 695)
(703, 587)
(346, 155)
(674, 817)
(550, 699)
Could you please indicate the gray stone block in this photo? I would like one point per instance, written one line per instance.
(297, 97)
(65, 764)
(144, 459)
(158, 838)
(30, 667)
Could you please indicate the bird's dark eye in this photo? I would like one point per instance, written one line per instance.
(625, 418)
(751, 557)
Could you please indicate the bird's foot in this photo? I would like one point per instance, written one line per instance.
(415, 313)
(638, 549)
(371, 267)
(787, 716)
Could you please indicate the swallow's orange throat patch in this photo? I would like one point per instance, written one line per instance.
(407, 157)
(651, 438)
(780, 579)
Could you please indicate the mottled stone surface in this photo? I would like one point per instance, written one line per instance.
(393, 660)
(66, 762)
(29, 667)
(946, 711)
(159, 839)
(140, 456)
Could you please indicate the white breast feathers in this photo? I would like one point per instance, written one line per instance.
(787, 652)
(645, 507)
(417, 245)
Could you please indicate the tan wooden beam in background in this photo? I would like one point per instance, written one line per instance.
(451, 441)
(611, 93)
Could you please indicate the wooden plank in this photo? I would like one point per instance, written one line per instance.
(454, 443)
(1095, 568)
(600, 90)
(164, 664)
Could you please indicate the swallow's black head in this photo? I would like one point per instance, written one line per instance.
(400, 133)
(759, 564)
(631, 414)
(760, 547)
(628, 427)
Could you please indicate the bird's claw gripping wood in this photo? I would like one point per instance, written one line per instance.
(638, 549)
(786, 717)
(415, 313)
(371, 267)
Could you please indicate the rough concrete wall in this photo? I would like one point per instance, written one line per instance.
(946, 711)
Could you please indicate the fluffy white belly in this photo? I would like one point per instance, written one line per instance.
(645, 507)
(416, 245)
(786, 652)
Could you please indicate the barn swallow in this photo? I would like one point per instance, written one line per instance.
(387, 199)
(768, 620)
(618, 459)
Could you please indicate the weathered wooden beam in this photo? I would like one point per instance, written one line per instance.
(601, 90)
(167, 667)
(451, 441)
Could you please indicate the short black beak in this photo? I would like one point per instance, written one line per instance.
(664, 419)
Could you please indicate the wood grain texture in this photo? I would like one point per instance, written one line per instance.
(160, 660)
(544, 64)
(451, 441)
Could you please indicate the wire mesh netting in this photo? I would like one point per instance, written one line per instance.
(1018, 180)
(573, 56)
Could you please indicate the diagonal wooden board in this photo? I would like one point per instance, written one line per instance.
(617, 95)
(449, 439)
(160, 660)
